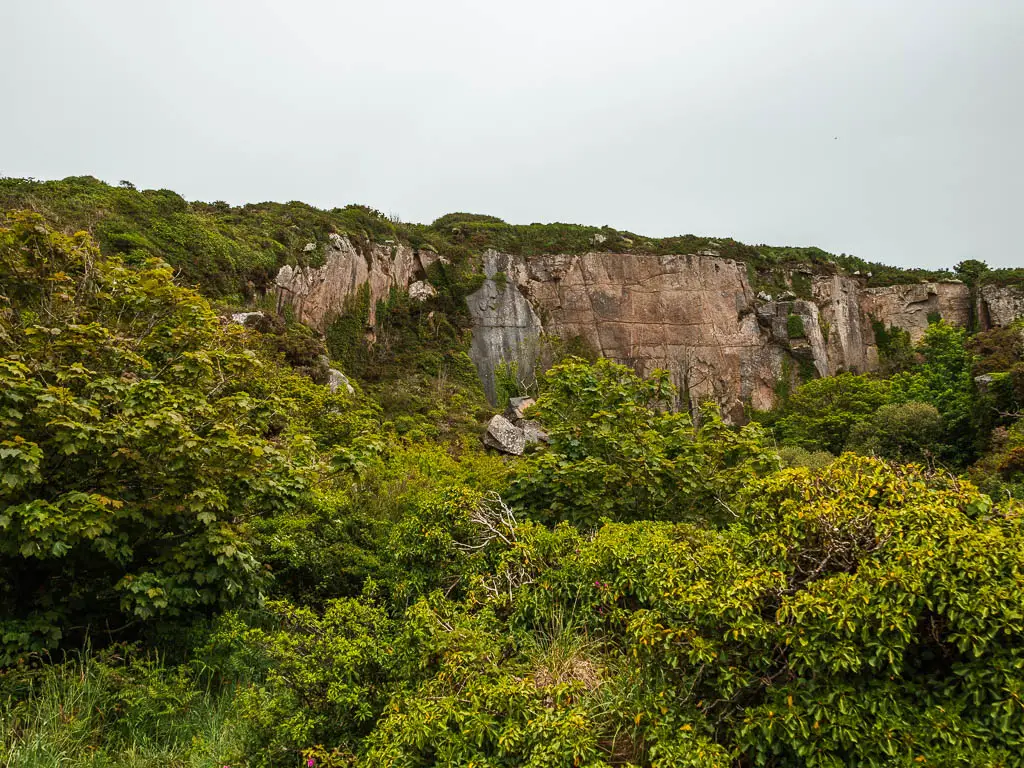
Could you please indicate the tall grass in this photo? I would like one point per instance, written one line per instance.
(118, 712)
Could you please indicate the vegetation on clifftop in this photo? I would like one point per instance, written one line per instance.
(232, 251)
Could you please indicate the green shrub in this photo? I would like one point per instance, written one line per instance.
(905, 432)
(795, 326)
(135, 441)
(617, 450)
(821, 412)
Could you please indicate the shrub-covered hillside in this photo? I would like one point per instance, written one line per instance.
(235, 251)
(210, 558)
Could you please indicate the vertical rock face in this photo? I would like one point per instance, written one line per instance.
(1001, 304)
(911, 307)
(505, 326)
(850, 346)
(695, 315)
(319, 293)
(692, 315)
(698, 317)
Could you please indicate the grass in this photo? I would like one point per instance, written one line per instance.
(115, 712)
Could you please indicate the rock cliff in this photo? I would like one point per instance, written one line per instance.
(1000, 305)
(319, 293)
(696, 315)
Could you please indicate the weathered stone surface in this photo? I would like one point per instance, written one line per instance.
(984, 382)
(698, 317)
(517, 406)
(505, 326)
(504, 436)
(533, 432)
(421, 290)
(319, 293)
(241, 317)
(695, 315)
(849, 342)
(336, 379)
(909, 306)
(692, 315)
(1002, 304)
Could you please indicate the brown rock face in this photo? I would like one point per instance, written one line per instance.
(695, 315)
(698, 317)
(691, 315)
(1001, 305)
(317, 294)
(910, 306)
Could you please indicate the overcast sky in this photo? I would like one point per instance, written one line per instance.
(891, 129)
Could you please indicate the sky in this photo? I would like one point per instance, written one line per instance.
(889, 129)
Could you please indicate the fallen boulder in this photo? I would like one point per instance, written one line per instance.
(517, 406)
(533, 432)
(502, 435)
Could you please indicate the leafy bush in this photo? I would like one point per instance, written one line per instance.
(904, 432)
(618, 450)
(135, 445)
(943, 379)
(319, 679)
(821, 413)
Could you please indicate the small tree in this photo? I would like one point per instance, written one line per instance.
(618, 450)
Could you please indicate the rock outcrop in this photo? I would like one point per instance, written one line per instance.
(502, 435)
(505, 326)
(912, 307)
(317, 294)
(1000, 304)
(696, 315)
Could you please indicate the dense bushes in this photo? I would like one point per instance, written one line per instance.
(136, 444)
(617, 450)
(335, 579)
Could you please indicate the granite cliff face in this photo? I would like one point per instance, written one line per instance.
(698, 317)
(317, 294)
(695, 315)
(1000, 305)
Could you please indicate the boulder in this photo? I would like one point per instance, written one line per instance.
(336, 378)
(533, 432)
(517, 406)
(502, 435)
(421, 290)
(984, 383)
(241, 317)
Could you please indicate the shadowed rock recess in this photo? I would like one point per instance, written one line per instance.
(696, 315)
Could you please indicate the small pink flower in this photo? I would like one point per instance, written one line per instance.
(310, 763)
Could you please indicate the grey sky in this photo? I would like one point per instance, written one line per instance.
(891, 129)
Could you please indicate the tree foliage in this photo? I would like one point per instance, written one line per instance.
(136, 443)
(618, 450)
(821, 412)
